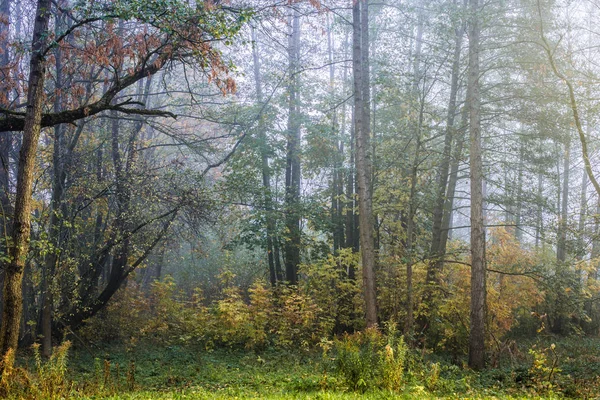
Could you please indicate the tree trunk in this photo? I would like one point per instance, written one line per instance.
(452, 181)
(561, 250)
(518, 197)
(582, 216)
(539, 223)
(417, 102)
(265, 169)
(360, 15)
(337, 178)
(591, 307)
(292, 173)
(18, 249)
(438, 214)
(478, 279)
(351, 196)
(5, 137)
(55, 206)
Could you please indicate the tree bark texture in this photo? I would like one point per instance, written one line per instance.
(18, 249)
(360, 15)
(478, 266)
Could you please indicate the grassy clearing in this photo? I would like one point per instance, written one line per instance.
(186, 372)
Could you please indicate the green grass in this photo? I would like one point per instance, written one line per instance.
(192, 372)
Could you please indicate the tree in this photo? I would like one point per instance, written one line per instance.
(292, 171)
(273, 258)
(19, 246)
(163, 49)
(362, 126)
(478, 267)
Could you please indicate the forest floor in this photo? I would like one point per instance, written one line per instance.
(188, 372)
(177, 372)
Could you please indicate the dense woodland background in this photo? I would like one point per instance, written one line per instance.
(271, 174)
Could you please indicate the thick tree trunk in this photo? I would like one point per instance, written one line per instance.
(478, 266)
(18, 249)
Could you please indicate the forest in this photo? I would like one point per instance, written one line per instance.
(321, 199)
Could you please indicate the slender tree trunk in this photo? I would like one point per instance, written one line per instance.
(342, 173)
(18, 249)
(478, 279)
(5, 102)
(559, 320)
(336, 176)
(561, 251)
(439, 235)
(591, 307)
(518, 197)
(417, 102)
(351, 227)
(5, 137)
(453, 180)
(265, 169)
(582, 215)
(539, 223)
(360, 15)
(52, 257)
(292, 173)
(443, 170)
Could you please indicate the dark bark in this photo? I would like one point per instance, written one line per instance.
(5, 137)
(58, 182)
(117, 251)
(441, 214)
(360, 56)
(19, 247)
(76, 318)
(452, 181)
(15, 121)
(265, 168)
(478, 266)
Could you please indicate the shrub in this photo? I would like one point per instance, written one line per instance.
(47, 382)
(368, 359)
(544, 368)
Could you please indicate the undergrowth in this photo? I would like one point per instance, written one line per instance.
(366, 365)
